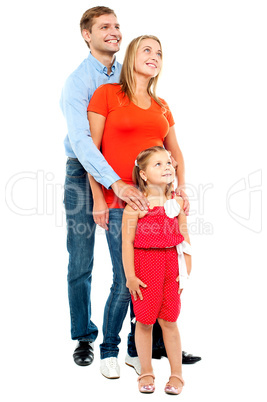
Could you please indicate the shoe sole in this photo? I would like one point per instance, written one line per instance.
(110, 378)
(130, 365)
(82, 364)
(192, 362)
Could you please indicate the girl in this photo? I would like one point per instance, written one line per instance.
(150, 259)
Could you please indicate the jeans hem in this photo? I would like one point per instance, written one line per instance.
(108, 354)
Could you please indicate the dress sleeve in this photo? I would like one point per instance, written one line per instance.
(99, 101)
(167, 113)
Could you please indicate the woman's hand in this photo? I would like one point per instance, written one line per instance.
(101, 213)
(133, 284)
(180, 192)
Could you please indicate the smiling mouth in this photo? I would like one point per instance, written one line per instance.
(151, 65)
(112, 40)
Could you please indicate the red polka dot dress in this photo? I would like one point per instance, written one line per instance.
(156, 264)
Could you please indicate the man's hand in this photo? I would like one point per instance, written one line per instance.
(131, 195)
(101, 213)
(133, 284)
(181, 193)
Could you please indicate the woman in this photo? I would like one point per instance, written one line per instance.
(124, 119)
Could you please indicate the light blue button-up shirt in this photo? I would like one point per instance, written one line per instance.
(75, 97)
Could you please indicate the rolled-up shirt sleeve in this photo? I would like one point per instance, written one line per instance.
(74, 103)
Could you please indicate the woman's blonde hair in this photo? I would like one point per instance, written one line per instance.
(127, 81)
(141, 163)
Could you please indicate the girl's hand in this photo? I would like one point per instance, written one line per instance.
(180, 192)
(180, 290)
(101, 213)
(133, 284)
(188, 261)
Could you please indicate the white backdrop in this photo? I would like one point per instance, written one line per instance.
(214, 79)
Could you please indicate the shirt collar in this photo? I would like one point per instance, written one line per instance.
(99, 66)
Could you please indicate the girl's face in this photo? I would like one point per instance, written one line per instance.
(159, 170)
(148, 59)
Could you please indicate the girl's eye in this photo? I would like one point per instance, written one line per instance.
(169, 163)
(104, 27)
(158, 164)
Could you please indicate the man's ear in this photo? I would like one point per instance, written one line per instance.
(86, 35)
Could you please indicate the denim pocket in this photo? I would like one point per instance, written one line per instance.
(74, 169)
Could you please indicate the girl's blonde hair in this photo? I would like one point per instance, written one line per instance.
(141, 163)
(127, 81)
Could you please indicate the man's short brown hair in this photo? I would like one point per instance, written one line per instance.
(87, 20)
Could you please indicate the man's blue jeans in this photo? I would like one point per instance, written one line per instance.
(80, 244)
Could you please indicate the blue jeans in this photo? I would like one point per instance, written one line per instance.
(80, 244)
(118, 301)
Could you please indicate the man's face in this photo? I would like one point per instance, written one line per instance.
(105, 37)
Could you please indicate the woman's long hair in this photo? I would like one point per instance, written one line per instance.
(127, 81)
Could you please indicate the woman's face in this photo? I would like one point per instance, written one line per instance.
(148, 59)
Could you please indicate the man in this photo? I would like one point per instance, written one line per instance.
(101, 32)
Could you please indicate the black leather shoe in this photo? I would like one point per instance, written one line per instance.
(158, 353)
(83, 354)
(186, 358)
(189, 359)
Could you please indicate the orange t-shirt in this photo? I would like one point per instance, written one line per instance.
(128, 130)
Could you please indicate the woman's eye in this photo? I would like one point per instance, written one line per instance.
(104, 27)
(147, 50)
(158, 164)
(159, 54)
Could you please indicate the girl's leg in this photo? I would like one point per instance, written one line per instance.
(172, 342)
(143, 342)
